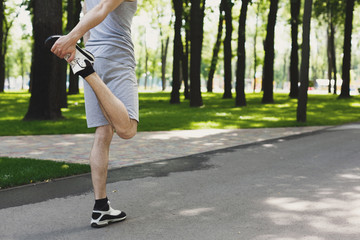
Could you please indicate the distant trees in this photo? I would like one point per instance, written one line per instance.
(216, 50)
(6, 22)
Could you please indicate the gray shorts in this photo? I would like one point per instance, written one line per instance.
(121, 80)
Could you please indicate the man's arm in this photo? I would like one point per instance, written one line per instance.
(66, 44)
(86, 36)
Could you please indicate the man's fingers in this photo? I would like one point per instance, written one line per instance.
(69, 57)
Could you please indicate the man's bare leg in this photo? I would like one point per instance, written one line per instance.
(113, 109)
(99, 159)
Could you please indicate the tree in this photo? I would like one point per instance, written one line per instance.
(304, 69)
(196, 39)
(345, 87)
(178, 52)
(332, 12)
(227, 6)
(240, 69)
(73, 11)
(294, 56)
(2, 54)
(6, 22)
(216, 50)
(186, 54)
(268, 72)
(48, 94)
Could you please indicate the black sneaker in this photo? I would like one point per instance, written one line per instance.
(83, 58)
(103, 218)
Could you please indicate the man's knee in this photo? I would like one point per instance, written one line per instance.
(128, 132)
(104, 134)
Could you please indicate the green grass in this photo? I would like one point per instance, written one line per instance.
(20, 171)
(157, 114)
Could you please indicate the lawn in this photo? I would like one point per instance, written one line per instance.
(157, 114)
(20, 171)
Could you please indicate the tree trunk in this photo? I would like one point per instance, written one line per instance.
(2, 55)
(196, 39)
(227, 5)
(333, 54)
(304, 69)
(345, 87)
(74, 10)
(255, 43)
(178, 51)
(329, 55)
(294, 59)
(48, 86)
(268, 74)
(216, 50)
(241, 53)
(186, 53)
(185, 64)
(164, 50)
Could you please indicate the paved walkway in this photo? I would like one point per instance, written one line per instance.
(145, 147)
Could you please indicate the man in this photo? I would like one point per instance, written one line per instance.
(111, 96)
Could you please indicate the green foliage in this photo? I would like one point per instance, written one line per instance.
(20, 171)
(157, 114)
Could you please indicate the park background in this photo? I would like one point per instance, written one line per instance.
(221, 64)
(236, 49)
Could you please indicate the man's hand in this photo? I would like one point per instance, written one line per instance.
(64, 47)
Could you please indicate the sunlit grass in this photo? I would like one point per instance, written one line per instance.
(20, 171)
(156, 113)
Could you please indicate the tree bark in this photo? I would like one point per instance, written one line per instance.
(329, 55)
(345, 87)
(241, 53)
(294, 59)
(304, 69)
(216, 50)
(164, 50)
(49, 85)
(74, 10)
(186, 53)
(178, 51)
(333, 55)
(268, 74)
(2, 55)
(227, 6)
(196, 39)
(185, 64)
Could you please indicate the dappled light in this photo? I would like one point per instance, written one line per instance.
(324, 210)
(195, 212)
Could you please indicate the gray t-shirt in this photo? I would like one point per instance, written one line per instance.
(111, 39)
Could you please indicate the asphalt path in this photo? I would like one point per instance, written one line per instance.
(305, 187)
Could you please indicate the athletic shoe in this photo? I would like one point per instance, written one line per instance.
(103, 218)
(83, 58)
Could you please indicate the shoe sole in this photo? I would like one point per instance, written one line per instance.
(107, 222)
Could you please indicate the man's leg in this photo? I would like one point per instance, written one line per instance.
(102, 213)
(99, 158)
(113, 109)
